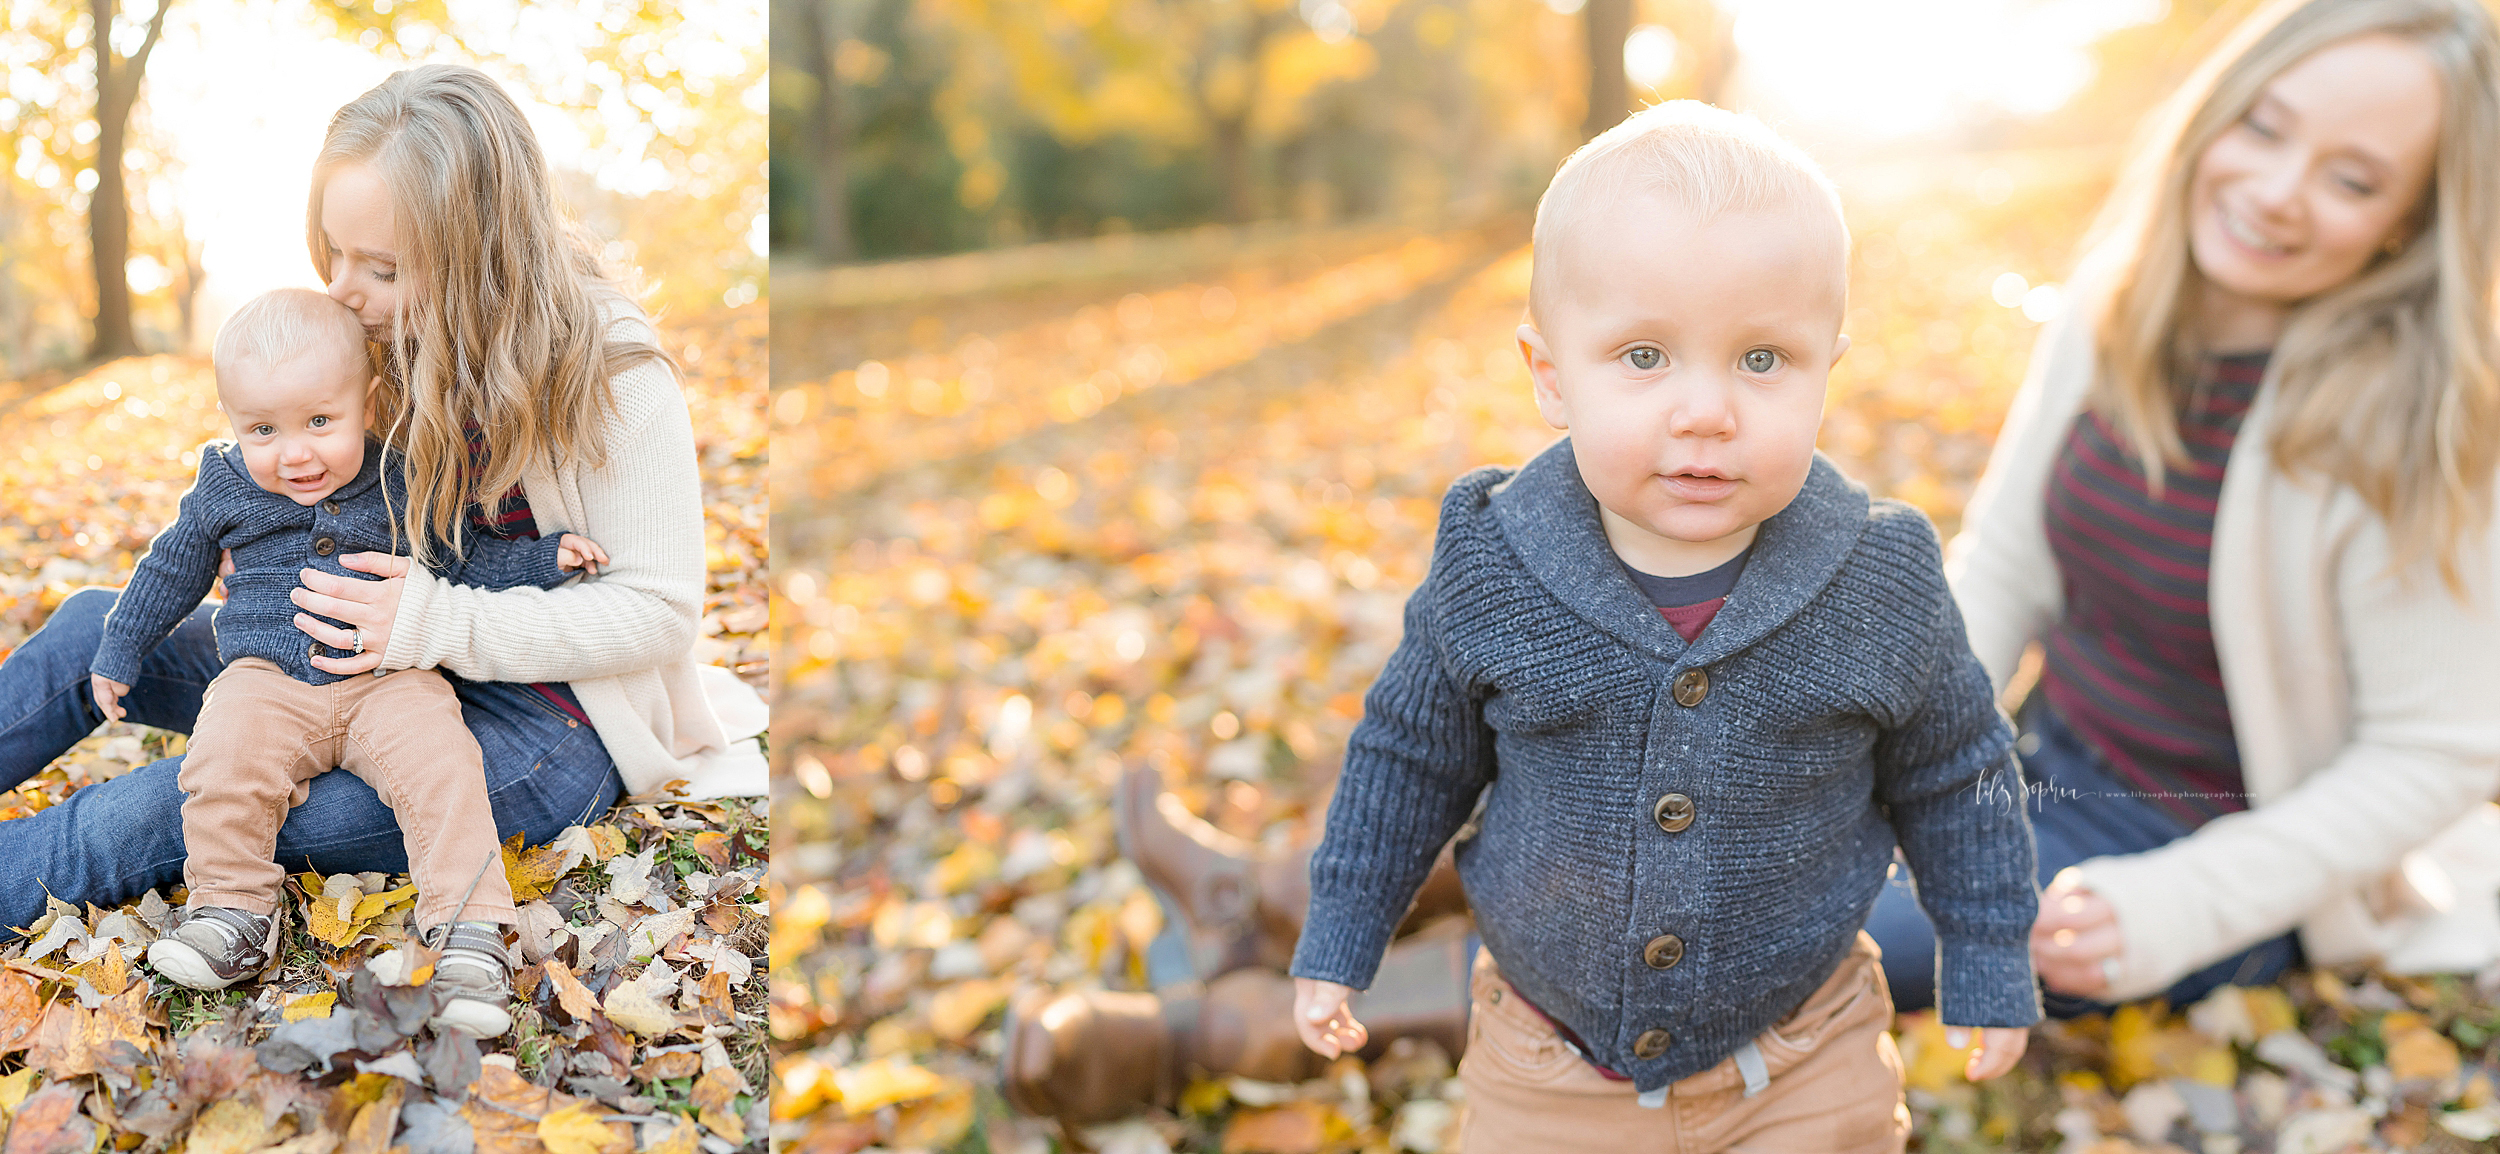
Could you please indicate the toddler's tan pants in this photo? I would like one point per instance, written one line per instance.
(1835, 1081)
(262, 736)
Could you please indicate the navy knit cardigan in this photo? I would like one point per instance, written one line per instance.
(1838, 712)
(273, 538)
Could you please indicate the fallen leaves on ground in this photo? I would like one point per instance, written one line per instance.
(639, 1007)
(1068, 565)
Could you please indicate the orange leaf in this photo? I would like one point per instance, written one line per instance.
(21, 1007)
(570, 992)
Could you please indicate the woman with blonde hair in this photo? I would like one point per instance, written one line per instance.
(530, 398)
(2243, 503)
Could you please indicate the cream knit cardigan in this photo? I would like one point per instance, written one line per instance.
(623, 641)
(2367, 709)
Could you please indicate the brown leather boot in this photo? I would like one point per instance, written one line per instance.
(1238, 908)
(1096, 1056)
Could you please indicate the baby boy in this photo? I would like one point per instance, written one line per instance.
(1703, 685)
(299, 486)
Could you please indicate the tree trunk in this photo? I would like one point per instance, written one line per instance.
(108, 207)
(1610, 92)
(829, 215)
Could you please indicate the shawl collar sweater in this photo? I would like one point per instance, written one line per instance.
(1829, 712)
(2365, 702)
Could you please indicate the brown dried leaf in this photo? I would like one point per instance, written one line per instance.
(49, 1122)
(575, 997)
(715, 1094)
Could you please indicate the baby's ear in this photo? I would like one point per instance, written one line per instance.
(1544, 377)
(1840, 347)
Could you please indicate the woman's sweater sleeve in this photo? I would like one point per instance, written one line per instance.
(1999, 564)
(644, 506)
(2424, 668)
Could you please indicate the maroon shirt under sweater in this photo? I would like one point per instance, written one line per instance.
(511, 520)
(2131, 665)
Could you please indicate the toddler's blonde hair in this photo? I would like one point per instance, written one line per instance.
(1704, 159)
(279, 325)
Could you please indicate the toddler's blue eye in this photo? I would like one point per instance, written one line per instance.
(262, 430)
(321, 422)
(1761, 361)
(1644, 359)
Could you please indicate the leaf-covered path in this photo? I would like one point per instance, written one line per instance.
(1031, 535)
(639, 1025)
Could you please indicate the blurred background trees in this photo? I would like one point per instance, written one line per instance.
(102, 247)
(916, 127)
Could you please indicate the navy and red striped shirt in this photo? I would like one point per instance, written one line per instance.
(510, 519)
(2131, 665)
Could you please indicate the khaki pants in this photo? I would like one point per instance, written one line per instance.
(263, 735)
(1835, 1081)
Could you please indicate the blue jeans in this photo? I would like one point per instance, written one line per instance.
(2091, 813)
(112, 841)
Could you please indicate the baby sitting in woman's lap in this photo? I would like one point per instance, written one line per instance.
(302, 486)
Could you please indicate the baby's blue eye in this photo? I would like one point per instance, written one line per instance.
(262, 430)
(321, 422)
(1644, 359)
(1761, 361)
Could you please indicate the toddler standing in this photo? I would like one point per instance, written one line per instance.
(301, 486)
(1703, 686)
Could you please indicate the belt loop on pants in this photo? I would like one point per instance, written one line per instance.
(1749, 1063)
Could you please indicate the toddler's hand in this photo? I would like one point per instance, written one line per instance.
(1999, 1048)
(108, 695)
(574, 551)
(1321, 1017)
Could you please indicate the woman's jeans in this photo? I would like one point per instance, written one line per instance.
(112, 841)
(2079, 810)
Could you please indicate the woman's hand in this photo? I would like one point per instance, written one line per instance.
(2075, 934)
(1321, 1016)
(368, 607)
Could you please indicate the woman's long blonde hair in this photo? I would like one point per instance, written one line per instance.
(2389, 382)
(504, 315)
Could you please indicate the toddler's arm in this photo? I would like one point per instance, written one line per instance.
(501, 563)
(1413, 770)
(1947, 776)
(168, 583)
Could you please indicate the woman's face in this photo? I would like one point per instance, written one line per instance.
(362, 233)
(2320, 174)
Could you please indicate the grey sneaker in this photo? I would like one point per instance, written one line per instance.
(216, 946)
(477, 972)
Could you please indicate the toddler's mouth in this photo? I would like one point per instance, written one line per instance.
(1699, 484)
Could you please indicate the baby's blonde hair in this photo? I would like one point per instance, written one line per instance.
(282, 324)
(1704, 159)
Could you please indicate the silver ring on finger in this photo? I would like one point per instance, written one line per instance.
(2110, 972)
(357, 638)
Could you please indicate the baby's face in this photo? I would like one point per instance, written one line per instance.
(1688, 357)
(300, 422)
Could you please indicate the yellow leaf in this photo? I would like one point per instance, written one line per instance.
(876, 1085)
(321, 920)
(228, 1126)
(935, 1123)
(2415, 1050)
(372, 906)
(108, 972)
(13, 1090)
(2269, 1009)
(531, 872)
(2214, 1066)
(681, 1139)
(800, 1085)
(574, 1129)
(301, 1006)
(1932, 1065)
(715, 1094)
(959, 1009)
(608, 840)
